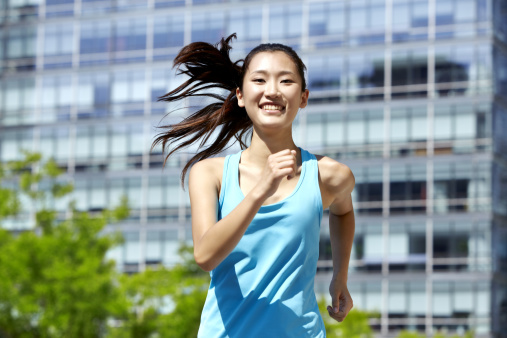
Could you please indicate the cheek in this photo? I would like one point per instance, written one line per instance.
(252, 94)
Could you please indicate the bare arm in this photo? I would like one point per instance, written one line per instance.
(214, 241)
(341, 232)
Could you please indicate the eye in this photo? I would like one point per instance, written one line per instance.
(287, 81)
(258, 80)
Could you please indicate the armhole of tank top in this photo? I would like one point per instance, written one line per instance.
(224, 182)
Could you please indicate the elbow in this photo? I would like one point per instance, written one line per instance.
(204, 262)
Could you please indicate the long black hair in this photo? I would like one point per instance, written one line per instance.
(208, 68)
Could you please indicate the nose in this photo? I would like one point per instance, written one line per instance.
(271, 89)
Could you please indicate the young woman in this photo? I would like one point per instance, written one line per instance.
(256, 214)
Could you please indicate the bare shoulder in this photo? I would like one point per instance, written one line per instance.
(209, 171)
(333, 173)
(336, 183)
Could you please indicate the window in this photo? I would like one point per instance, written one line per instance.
(23, 3)
(58, 39)
(410, 20)
(314, 130)
(373, 243)
(409, 67)
(54, 142)
(130, 34)
(132, 247)
(285, 21)
(407, 246)
(128, 87)
(368, 188)
(117, 188)
(168, 31)
(408, 125)
(449, 12)
(455, 64)
(134, 192)
(18, 94)
(12, 142)
(408, 187)
(456, 122)
(335, 134)
(83, 142)
(98, 190)
(325, 72)
(457, 187)
(95, 37)
(246, 24)
(366, 21)
(21, 42)
(451, 182)
(327, 18)
(93, 89)
(208, 27)
(56, 91)
(365, 70)
(169, 3)
(365, 127)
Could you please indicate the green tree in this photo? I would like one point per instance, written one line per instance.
(355, 324)
(414, 334)
(164, 302)
(54, 280)
(410, 334)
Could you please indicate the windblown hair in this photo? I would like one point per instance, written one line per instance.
(209, 67)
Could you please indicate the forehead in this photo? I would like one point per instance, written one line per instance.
(272, 61)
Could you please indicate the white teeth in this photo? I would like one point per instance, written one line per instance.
(272, 107)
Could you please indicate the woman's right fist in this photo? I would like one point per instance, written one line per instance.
(278, 165)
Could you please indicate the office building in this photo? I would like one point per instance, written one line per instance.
(410, 94)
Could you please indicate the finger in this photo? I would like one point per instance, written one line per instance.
(295, 166)
(335, 303)
(286, 164)
(283, 152)
(340, 316)
(285, 158)
(336, 316)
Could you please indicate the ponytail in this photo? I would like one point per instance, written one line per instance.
(208, 67)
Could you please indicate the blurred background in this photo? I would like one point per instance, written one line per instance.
(410, 94)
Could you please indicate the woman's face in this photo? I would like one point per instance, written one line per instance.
(272, 90)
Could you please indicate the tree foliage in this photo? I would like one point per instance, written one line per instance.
(162, 302)
(55, 280)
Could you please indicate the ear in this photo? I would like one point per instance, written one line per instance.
(304, 98)
(239, 95)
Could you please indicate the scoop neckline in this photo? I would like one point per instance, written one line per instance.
(300, 180)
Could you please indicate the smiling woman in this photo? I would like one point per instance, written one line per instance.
(256, 214)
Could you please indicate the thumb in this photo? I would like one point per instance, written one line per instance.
(335, 303)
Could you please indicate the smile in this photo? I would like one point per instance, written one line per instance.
(272, 107)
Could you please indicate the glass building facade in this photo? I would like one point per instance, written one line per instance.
(410, 94)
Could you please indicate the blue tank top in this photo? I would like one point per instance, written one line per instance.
(265, 286)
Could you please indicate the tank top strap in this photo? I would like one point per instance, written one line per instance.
(228, 187)
(311, 181)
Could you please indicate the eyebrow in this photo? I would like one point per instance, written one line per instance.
(282, 72)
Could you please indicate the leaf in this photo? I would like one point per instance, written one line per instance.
(59, 190)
